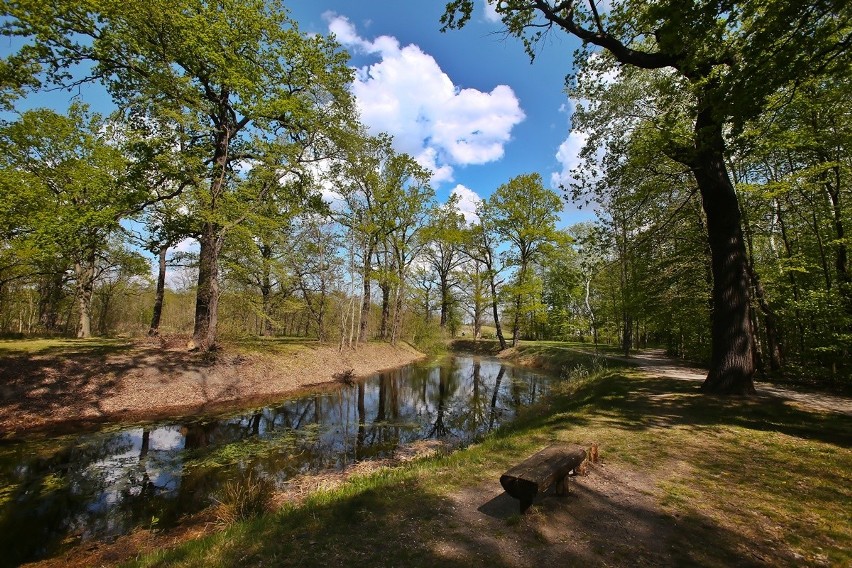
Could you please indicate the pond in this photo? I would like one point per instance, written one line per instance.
(100, 485)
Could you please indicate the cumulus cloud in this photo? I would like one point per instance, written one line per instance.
(568, 155)
(406, 94)
(491, 14)
(468, 200)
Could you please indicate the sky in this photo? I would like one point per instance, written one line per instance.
(466, 103)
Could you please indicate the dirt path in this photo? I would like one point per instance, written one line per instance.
(656, 363)
(614, 515)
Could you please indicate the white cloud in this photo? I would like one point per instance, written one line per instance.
(428, 158)
(491, 14)
(467, 203)
(407, 95)
(568, 155)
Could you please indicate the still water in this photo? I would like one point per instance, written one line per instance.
(104, 484)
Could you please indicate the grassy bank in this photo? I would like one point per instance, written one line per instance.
(721, 482)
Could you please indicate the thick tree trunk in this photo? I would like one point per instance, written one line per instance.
(210, 241)
(85, 273)
(154, 330)
(732, 358)
(207, 296)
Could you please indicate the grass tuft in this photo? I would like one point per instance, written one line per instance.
(246, 497)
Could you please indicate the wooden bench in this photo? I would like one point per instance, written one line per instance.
(535, 474)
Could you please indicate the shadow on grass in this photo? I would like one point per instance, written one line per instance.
(409, 524)
(643, 404)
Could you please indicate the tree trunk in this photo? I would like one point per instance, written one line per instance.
(626, 333)
(207, 296)
(383, 329)
(266, 290)
(154, 330)
(397, 310)
(732, 359)
(516, 325)
(844, 280)
(85, 272)
(364, 324)
(496, 313)
(445, 300)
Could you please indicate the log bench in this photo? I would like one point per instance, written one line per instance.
(535, 474)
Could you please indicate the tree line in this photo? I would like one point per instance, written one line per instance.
(716, 160)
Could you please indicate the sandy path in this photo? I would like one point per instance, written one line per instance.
(656, 363)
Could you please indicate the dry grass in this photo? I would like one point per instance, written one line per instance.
(245, 497)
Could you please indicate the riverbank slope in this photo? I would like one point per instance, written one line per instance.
(62, 384)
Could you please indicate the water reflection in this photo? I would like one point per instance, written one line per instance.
(107, 483)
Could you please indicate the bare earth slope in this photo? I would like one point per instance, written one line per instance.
(148, 380)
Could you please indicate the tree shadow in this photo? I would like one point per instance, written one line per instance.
(407, 524)
(36, 391)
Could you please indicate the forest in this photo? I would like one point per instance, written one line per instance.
(717, 163)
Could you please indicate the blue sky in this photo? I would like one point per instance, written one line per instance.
(467, 103)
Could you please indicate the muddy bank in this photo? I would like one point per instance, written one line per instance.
(60, 390)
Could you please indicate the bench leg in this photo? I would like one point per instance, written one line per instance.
(525, 504)
(562, 487)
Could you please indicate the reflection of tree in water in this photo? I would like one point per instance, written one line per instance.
(497, 382)
(447, 385)
(110, 481)
(469, 410)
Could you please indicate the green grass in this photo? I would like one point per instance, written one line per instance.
(273, 345)
(731, 476)
(62, 346)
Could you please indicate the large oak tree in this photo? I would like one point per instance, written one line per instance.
(729, 57)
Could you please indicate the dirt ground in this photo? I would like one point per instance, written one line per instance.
(153, 380)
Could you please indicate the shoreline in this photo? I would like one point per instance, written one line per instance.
(62, 392)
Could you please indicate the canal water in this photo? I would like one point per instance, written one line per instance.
(103, 484)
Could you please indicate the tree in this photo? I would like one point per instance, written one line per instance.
(727, 58)
(385, 194)
(77, 184)
(316, 266)
(481, 246)
(524, 214)
(446, 237)
(236, 77)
